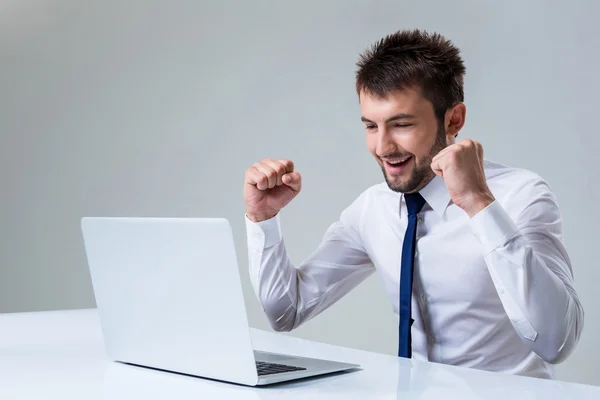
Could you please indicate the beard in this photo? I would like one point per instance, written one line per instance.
(421, 173)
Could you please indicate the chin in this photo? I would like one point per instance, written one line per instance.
(397, 185)
(413, 183)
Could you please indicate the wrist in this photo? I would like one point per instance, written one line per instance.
(477, 203)
(259, 217)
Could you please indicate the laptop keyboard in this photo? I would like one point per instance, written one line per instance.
(265, 368)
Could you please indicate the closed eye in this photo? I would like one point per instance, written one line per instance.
(371, 127)
(402, 125)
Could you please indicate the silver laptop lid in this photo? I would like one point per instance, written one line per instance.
(169, 295)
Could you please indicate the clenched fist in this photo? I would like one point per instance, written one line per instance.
(461, 166)
(269, 186)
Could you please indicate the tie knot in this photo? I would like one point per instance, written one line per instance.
(414, 203)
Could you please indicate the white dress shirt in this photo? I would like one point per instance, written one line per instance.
(493, 292)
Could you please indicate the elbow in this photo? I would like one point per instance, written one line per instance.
(557, 352)
(551, 349)
(557, 355)
(277, 327)
(562, 345)
(553, 356)
(283, 323)
(282, 316)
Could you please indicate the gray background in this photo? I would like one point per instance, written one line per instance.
(146, 108)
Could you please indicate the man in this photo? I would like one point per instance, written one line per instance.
(470, 251)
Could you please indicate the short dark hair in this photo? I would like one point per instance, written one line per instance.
(413, 58)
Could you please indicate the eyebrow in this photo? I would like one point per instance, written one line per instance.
(392, 118)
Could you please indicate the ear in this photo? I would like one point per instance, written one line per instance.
(455, 119)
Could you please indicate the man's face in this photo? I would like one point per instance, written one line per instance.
(403, 135)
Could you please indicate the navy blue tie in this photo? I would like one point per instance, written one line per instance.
(414, 204)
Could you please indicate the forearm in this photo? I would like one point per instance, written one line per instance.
(532, 274)
(272, 274)
(545, 311)
(291, 295)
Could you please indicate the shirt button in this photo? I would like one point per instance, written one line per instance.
(420, 219)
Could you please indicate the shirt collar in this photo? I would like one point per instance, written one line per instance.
(436, 195)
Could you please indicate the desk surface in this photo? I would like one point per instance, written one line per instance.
(60, 355)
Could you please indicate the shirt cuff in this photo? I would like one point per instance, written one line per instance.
(493, 227)
(264, 234)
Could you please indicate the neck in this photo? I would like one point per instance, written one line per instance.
(423, 183)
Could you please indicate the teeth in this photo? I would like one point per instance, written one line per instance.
(398, 161)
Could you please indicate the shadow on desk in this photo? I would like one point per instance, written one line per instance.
(401, 380)
(127, 381)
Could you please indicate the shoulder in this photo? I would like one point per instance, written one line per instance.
(354, 212)
(523, 193)
(510, 180)
(365, 197)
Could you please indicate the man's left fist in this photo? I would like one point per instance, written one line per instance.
(461, 166)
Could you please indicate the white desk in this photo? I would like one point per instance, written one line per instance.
(60, 355)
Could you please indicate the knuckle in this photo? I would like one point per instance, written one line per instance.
(278, 167)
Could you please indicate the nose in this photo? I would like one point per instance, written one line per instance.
(385, 144)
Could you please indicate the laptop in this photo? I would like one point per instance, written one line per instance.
(169, 296)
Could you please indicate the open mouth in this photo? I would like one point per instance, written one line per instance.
(396, 166)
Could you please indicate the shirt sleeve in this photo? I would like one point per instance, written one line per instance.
(290, 294)
(531, 269)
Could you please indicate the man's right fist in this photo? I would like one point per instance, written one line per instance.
(269, 186)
